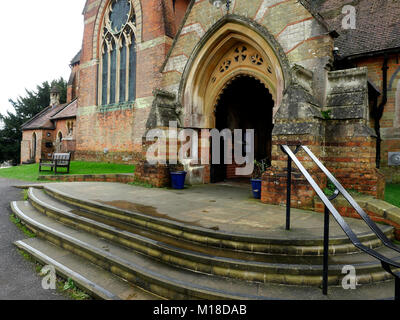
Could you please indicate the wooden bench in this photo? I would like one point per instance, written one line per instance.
(59, 160)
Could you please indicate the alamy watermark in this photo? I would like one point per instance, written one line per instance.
(349, 21)
(349, 281)
(173, 145)
(50, 278)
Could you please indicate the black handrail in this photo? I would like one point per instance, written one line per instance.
(387, 263)
(352, 202)
(326, 245)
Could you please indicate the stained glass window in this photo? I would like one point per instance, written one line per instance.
(122, 73)
(119, 15)
(117, 82)
(132, 71)
(104, 77)
(113, 75)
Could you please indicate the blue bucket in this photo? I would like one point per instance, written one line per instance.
(256, 186)
(178, 179)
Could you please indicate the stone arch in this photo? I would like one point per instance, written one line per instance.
(99, 20)
(198, 94)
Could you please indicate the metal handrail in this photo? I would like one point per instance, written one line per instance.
(386, 262)
(352, 202)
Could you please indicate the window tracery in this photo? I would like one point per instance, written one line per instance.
(117, 67)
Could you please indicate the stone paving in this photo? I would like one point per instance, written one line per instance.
(226, 207)
(18, 280)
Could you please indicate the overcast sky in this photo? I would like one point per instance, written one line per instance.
(38, 40)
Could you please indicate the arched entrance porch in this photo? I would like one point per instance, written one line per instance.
(238, 75)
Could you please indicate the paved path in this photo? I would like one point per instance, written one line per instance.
(18, 279)
(224, 207)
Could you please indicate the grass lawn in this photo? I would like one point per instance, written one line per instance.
(392, 194)
(31, 172)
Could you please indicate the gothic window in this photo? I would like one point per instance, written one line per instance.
(70, 128)
(117, 67)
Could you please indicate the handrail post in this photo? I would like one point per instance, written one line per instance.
(325, 274)
(326, 253)
(288, 192)
(289, 185)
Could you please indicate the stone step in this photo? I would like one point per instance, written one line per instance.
(92, 279)
(274, 269)
(285, 244)
(170, 282)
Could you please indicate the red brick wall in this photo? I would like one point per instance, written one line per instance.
(352, 162)
(348, 211)
(120, 130)
(41, 139)
(390, 132)
(274, 183)
(68, 143)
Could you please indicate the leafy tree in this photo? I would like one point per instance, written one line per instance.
(24, 109)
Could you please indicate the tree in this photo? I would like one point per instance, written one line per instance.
(24, 109)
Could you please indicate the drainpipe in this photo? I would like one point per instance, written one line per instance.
(378, 110)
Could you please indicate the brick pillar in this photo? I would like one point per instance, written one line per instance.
(274, 181)
(353, 162)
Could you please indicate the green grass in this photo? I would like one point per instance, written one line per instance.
(392, 194)
(14, 219)
(71, 290)
(31, 172)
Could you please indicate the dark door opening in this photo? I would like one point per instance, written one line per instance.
(34, 146)
(244, 104)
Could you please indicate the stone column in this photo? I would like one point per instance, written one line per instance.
(298, 121)
(350, 144)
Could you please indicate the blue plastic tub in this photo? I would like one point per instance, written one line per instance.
(178, 179)
(256, 186)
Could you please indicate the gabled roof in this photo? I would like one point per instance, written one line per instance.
(377, 25)
(45, 119)
(76, 59)
(68, 112)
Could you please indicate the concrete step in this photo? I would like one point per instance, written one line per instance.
(285, 244)
(170, 282)
(87, 276)
(279, 269)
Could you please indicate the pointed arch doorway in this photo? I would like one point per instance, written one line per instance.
(245, 103)
(234, 79)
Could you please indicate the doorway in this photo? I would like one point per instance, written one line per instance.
(34, 144)
(244, 104)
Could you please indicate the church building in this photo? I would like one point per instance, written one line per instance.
(319, 73)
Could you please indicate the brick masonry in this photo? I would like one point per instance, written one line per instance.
(116, 133)
(121, 178)
(42, 151)
(378, 210)
(390, 123)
